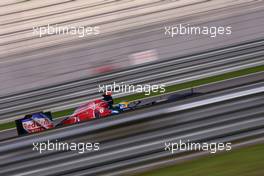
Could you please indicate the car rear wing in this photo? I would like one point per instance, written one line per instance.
(19, 123)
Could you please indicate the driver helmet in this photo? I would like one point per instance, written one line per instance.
(109, 93)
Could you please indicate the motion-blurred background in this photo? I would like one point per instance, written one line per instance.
(131, 33)
(58, 72)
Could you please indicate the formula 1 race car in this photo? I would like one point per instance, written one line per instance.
(42, 121)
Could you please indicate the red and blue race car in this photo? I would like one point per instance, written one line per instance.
(42, 121)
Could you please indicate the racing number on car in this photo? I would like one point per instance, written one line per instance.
(101, 110)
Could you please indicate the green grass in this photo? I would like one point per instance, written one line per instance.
(242, 162)
(168, 89)
(8, 125)
(62, 113)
